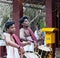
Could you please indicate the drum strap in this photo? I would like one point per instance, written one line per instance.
(29, 51)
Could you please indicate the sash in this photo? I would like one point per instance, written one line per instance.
(17, 40)
(32, 35)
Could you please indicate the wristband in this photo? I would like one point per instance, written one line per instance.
(19, 47)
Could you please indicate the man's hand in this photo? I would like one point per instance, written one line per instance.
(21, 50)
(28, 43)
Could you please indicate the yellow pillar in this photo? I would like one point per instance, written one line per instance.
(50, 39)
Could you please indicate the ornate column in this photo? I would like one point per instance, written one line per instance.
(51, 20)
(50, 13)
(17, 13)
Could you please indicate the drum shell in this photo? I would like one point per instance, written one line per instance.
(44, 52)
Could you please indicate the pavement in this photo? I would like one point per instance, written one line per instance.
(57, 53)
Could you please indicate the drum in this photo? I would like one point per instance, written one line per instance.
(44, 51)
(30, 55)
(29, 47)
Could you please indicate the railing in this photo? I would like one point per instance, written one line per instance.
(2, 49)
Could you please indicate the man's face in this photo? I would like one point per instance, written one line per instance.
(25, 23)
(11, 29)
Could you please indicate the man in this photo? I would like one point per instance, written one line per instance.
(26, 34)
(11, 46)
(39, 35)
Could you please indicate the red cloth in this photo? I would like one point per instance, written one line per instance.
(17, 39)
(32, 34)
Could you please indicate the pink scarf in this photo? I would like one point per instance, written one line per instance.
(17, 40)
(32, 35)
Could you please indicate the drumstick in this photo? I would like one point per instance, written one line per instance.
(29, 40)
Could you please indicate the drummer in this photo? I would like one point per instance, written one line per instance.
(39, 35)
(26, 34)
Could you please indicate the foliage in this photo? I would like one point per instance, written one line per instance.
(42, 23)
(33, 12)
(5, 13)
(5, 18)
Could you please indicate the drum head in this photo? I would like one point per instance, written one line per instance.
(44, 48)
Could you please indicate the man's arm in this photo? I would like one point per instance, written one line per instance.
(13, 44)
(9, 42)
(27, 43)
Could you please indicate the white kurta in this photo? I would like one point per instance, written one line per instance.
(24, 33)
(12, 52)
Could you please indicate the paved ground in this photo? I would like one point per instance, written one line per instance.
(57, 54)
